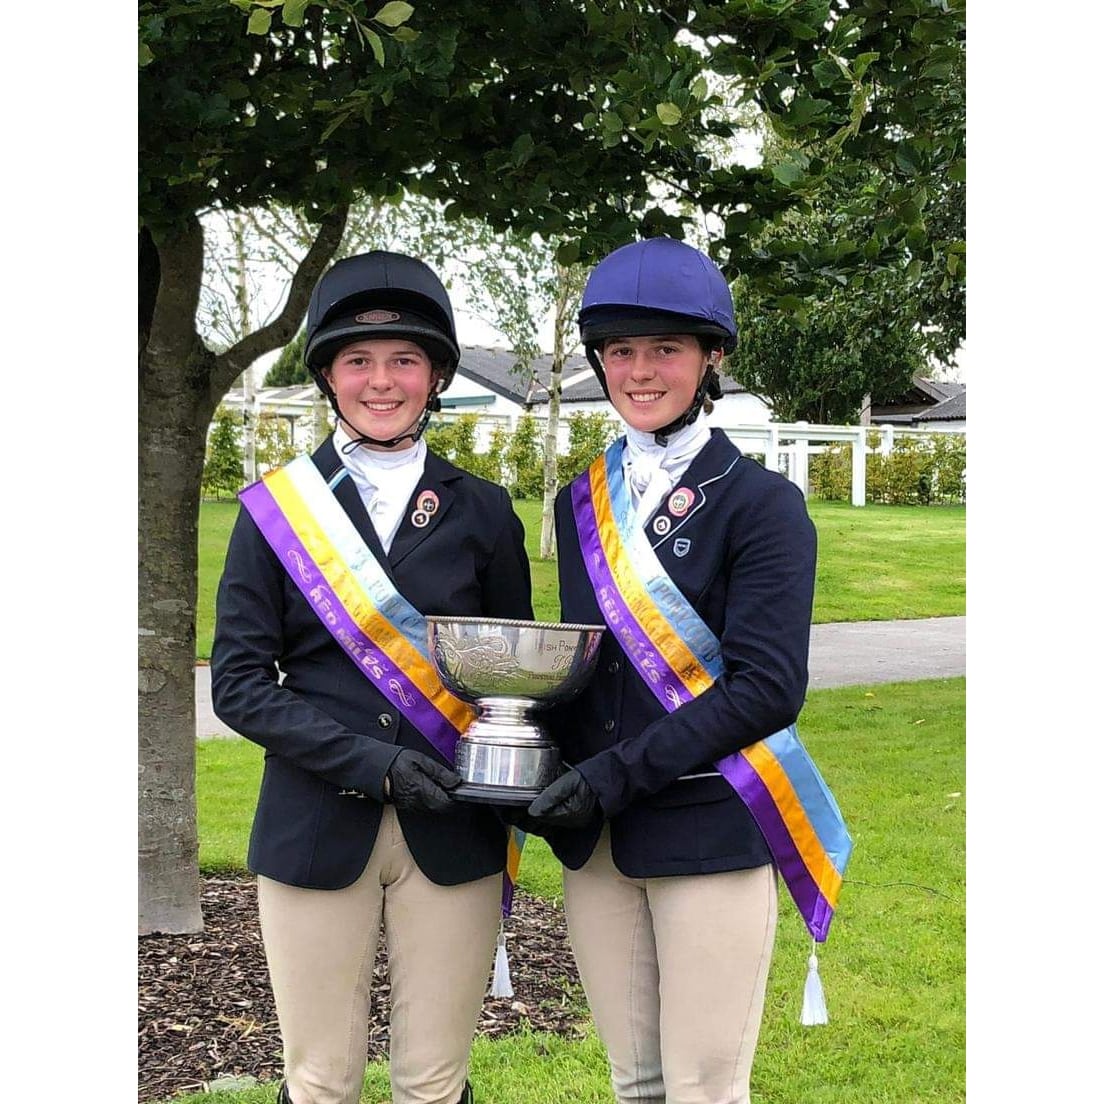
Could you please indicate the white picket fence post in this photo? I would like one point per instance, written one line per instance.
(799, 470)
(858, 468)
(770, 454)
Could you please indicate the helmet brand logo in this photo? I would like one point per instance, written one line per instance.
(375, 317)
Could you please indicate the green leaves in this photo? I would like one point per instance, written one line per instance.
(394, 14)
(522, 149)
(376, 43)
(668, 113)
(260, 20)
(294, 10)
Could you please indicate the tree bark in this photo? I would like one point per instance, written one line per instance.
(565, 295)
(172, 424)
(551, 452)
(180, 384)
(251, 407)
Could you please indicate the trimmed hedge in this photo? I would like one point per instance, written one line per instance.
(919, 471)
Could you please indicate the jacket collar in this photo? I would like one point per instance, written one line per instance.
(715, 461)
(433, 491)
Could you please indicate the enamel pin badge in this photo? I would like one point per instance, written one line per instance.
(681, 546)
(662, 525)
(680, 501)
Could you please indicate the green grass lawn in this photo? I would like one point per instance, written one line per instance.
(875, 563)
(893, 967)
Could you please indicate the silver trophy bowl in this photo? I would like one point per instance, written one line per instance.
(509, 670)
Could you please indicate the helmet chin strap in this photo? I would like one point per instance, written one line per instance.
(685, 418)
(691, 413)
(363, 439)
(432, 405)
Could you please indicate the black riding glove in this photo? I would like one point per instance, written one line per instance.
(417, 782)
(567, 803)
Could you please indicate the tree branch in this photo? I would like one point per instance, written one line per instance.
(240, 356)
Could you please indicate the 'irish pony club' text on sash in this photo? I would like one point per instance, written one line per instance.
(679, 657)
(356, 601)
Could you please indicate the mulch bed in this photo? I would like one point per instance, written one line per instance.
(205, 1009)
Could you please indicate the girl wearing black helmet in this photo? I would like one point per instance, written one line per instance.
(319, 657)
(701, 563)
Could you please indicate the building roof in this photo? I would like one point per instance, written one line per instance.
(952, 409)
(920, 401)
(495, 369)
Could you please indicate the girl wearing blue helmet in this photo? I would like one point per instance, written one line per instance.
(701, 563)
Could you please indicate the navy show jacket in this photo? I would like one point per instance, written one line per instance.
(744, 554)
(326, 727)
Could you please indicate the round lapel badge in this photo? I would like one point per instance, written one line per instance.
(419, 519)
(680, 501)
(428, 502)
(662, 525)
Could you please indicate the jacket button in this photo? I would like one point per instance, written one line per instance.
(384, 720)
(609, 726)
(614, 667)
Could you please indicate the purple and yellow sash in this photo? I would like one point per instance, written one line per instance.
(354, 598)
(677, 655)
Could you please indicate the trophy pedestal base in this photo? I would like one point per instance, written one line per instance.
(493, 795)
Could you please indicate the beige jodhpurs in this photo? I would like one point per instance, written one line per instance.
(321, 946)
(675, 972)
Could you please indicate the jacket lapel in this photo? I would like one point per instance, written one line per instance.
(346, 493)
(429, 503)
(691, 493)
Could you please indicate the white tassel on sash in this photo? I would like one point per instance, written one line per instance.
(813, 1009)
(501, 986)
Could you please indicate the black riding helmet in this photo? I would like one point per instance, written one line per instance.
(381, 294)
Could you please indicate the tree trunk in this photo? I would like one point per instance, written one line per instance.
(251, 407)
(551, 454)
(180, 383)
(565, 295)
(173, 414)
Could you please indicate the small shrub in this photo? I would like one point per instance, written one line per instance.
(524, 459)
(916, 471)
(949, 455)
(589, 435)
(222, 468)
(830, 473)
(274, 444)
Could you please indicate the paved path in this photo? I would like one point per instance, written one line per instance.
(841, 654)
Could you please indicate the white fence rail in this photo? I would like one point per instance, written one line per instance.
(784, 446)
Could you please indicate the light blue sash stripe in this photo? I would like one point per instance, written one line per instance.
(349, 544)
(819, 804)
(670, 601)
(815, 797)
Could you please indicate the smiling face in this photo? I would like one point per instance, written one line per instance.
(652, 380)
(382, 386)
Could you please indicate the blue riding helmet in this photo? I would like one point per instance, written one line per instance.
(658, 286)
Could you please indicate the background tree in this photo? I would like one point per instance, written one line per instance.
(222, 470)
(523, 460)
(274, 443)
(290, 368)
(870, 102)
(821, 370)
(572, 121)
(519, 283)
(588, 436)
